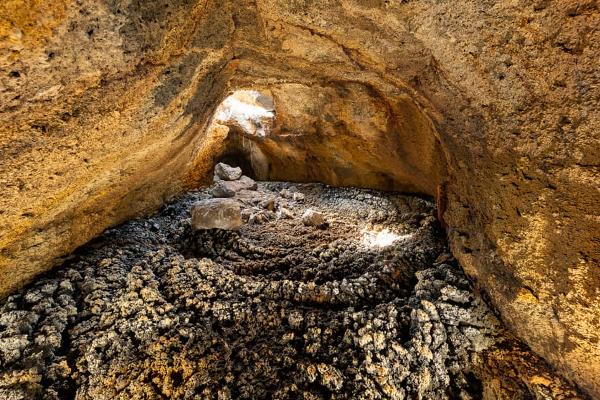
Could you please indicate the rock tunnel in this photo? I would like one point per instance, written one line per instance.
(110, 109)
(343, 135)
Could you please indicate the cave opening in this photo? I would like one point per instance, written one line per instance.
(344, 134)
(250, 111)
(242, 121)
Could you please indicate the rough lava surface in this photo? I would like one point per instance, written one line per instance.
(490, 106)
(277, 310)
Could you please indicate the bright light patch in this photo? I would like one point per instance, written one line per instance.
(383, 238)
(244, 109)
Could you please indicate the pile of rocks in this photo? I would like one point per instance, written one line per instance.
(236, 199)
(229, 181)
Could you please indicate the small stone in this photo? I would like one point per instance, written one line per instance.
(292, 194)
(261, 217)
(11, 347)
(313, 218)
(221, 189)
(217, 213)
(295, 319)
(286, 194)
(227, 172)
(298, 197)
(253, 219)
(284, 213)
(246, 214)
(268, 204)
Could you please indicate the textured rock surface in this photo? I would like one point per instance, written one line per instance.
(278, 310)
(313, 218)
(227, 172)
(222, 189)
(230, 188)
(216, 214)
(489, 106)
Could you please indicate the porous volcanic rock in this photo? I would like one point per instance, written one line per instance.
(153, 309)
(491, 107)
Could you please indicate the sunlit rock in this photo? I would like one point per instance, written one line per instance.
(314, 218)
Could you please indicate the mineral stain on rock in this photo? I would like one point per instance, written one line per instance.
(156, 309)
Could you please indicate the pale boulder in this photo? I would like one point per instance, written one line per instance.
(227, 172)
(217, 214)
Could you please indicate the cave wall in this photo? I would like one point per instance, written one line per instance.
(104, 108)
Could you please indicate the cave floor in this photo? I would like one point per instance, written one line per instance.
(371, 307)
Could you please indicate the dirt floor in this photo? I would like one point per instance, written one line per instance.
(371, 306)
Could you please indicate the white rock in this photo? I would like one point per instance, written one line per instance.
(292, 194)
(298, 197)
(217, 214)
(313, 218)
(227, 172)
(286, 193)
(284, 213)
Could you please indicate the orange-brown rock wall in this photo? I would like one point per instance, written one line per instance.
(104, 108)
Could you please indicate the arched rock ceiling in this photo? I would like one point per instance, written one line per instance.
(104, 107)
